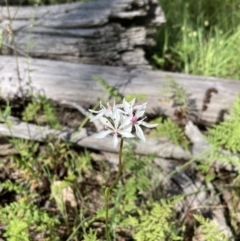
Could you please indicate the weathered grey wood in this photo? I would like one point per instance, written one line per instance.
(86, 139)
(63, 81)
(112, 32)
(161, 147)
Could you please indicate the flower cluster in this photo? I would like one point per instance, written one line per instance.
(121, 120)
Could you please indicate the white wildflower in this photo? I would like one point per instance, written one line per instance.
(119, 120)
(117, 129)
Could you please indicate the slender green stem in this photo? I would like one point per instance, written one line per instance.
(109, 189)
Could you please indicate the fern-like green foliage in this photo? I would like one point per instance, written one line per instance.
(141, 167)
(24, 221)
(168, 128)
(90, 236)
(31, 111)
(26, 159)
(41, 110)
(227, 134)
(178, 93)
(155, 224)
(81, 163)
(210, 230)
(10, 186)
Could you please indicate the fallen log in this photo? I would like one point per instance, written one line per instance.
(161, 147)
(105, 32)
(70, 82)
(84, 138)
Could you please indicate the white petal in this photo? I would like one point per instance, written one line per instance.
(139, 107)
(126, 134)
(106, 122)
(114, 103)
(102, 106)
(116, 116)
(116, 123)
(119, 105)
(139, 133)
(115, 140)
(108, 113)
(126, 123)
(98, 116)
(140, 113)
(127, 107)
(102, 134)
(132, 102)
(94, 111)
(128, 128)
(148, 125)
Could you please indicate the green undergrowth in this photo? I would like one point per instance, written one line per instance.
(224, 139)
(41, 111)
(39, 174)
(170, 129)
(226, 134)
(25, 220)
(199, 38)
(51, 168)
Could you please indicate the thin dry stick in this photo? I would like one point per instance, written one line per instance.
(15, 55)
(12, 47)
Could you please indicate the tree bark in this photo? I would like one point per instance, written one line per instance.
(104, 32)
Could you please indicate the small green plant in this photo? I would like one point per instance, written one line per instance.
(25, 160)
(168, 128)
(90, 236)
(40, 110)
(142, 171)
(4, 114)
(57, 192)
(24, 220)
(80, 164)
(10, 186)
(226, 134)
(224, 138)
(177, 92)
(210, 230)
(155, 223)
